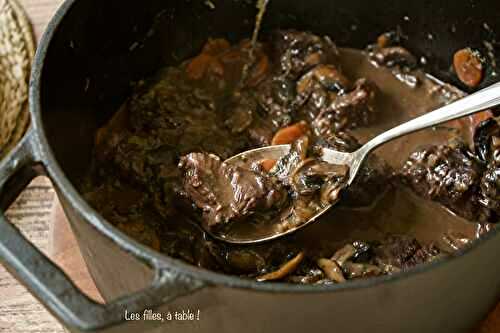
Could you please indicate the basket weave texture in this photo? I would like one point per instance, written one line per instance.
(17, 48)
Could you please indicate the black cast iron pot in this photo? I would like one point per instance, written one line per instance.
(90, 53)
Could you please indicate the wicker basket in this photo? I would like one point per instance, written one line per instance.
(17, 48)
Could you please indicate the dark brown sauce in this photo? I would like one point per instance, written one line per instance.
(397, 103)
(138, 185)
(400, 211)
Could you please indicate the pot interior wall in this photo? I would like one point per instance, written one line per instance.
(103, 46)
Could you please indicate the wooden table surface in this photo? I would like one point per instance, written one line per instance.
(19, 311)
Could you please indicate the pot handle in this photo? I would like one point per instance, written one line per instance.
(48, 283)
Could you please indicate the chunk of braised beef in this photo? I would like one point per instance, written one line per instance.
(276, 96)
(349, 111)
(149, 164)
(318, 88)
(484, 135)
(364, 252)
(143, 160)
(154, 106)
(490, 191)
(487, 147)
(168, 119)
(260, 132)
(392, 56)
(310, 104)
(241, 112)
(172, 111)
(372, 182)
(227, 193)
(296, 52)
(245, 118)
(402, 252)
(134, 154)
(327, 76)
(114, 201)
(448, 174)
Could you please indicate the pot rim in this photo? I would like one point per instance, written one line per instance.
(67, 190)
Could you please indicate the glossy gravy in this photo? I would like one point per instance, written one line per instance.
(399, 211)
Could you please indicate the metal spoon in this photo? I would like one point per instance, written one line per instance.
(484, 99)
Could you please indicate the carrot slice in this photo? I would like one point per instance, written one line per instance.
(383, 40)
(290, 134)
(197, 68)
(468, 67)
(479, 118)
(284, 270)
(216, 67)
(268, 165)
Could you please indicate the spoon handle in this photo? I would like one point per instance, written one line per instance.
(479, 101)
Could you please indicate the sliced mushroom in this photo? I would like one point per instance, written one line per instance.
(312, 175)
(311, 276)
(290, 161)
(330, 192)
(393, 56)
(353, 270)
(344, 254)
(284, 270)
(331, 270)
(245, 261)
(327, 76)
(331, 78)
